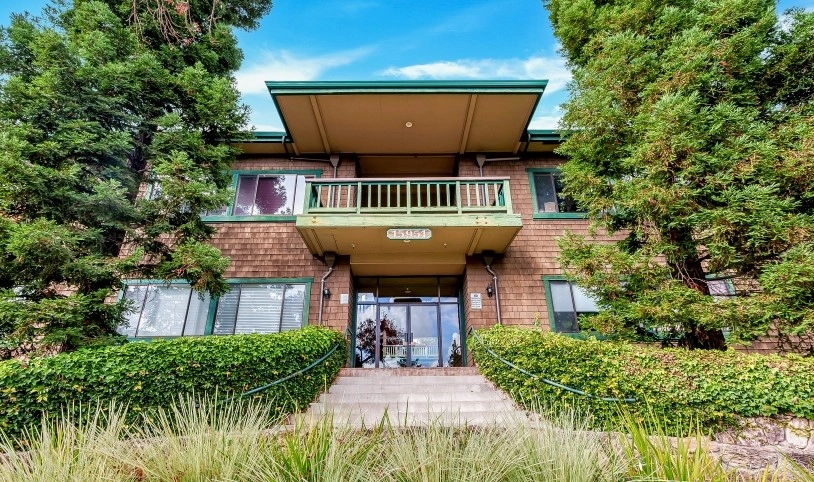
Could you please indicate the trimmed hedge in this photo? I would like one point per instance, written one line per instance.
(682, 388)
(151, 375)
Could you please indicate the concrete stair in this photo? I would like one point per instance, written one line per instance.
(413, 397)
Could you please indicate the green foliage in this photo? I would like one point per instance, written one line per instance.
(691, 131)
(96, 99)
(680, 388)
(146, 376)
(657, 457)
(194, 440)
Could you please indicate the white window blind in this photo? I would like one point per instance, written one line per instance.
(260, 308)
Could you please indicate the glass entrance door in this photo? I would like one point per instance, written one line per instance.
(409, 336)
(407, 331)
(424, 340)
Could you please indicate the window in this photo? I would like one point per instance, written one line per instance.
(260, 308)
(264, 196)
(176, 310)
(153, 191)
(161, 310)
(546, 189)
(721, 288)
(566, 302)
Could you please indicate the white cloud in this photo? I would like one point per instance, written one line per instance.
(545, 122)
(284, 65)
(547, 119)
(535, 67)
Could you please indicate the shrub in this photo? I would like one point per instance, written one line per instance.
(146, 376)
(683, 388)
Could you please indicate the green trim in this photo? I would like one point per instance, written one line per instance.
(536, 214)
(531, 113)
(306, 310)
(462, 322)
(548, 301)
(548, 136)
(398, 86)
(266, 136)
(353, 320)
(210, 316)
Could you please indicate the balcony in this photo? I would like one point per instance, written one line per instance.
(399, 226)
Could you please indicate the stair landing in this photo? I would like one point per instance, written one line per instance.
(361, 397)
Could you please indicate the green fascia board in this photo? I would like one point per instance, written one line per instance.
(344, 220)
(548, 136)
(408, 86)
(273, 137)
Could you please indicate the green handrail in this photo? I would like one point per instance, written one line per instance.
(546, 380)
(285, 378)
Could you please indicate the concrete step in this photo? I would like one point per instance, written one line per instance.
(362, 390)
(412, 406)
(409, 380)
(429, 397)
(398, 418)
(409, 397)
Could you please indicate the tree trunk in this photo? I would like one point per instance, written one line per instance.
(691, 272)
(698, 337)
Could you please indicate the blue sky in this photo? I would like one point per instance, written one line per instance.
(396, 40)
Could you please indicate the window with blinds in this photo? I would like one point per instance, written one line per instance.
(260, 308)
(161, 310)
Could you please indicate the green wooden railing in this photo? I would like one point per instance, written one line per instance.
(459, 195)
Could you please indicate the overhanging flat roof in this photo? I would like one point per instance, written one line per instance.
(405, 117)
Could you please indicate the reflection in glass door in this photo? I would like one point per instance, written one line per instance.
(407, 331)
(423, 341)
(394, 327)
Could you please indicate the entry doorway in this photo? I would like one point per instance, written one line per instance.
(408, 322)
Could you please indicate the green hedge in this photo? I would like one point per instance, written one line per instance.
(678, 386)
(150, 375)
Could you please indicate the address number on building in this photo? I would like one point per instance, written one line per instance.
(409, 233)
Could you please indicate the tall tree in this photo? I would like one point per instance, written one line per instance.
(693, 132)
(98, 98)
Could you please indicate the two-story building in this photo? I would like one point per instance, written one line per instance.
(402, 212)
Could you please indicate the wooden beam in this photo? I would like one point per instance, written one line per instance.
(473, 100)
(320, 124)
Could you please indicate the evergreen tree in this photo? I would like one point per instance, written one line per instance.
(693, 133)
(98, 98)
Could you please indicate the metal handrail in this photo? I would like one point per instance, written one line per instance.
(285, 378)
(545, 380)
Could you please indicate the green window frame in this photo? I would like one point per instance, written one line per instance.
(234, 213)
(208, 316)
(557, 317)
(554, 211)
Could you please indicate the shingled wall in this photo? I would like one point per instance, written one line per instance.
(531, 255)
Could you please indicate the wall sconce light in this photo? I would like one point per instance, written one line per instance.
(326, 293)
(489, 291)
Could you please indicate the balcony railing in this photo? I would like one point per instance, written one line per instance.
(456, 195)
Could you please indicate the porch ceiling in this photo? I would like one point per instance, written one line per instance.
(406, 117)
(373, 252)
